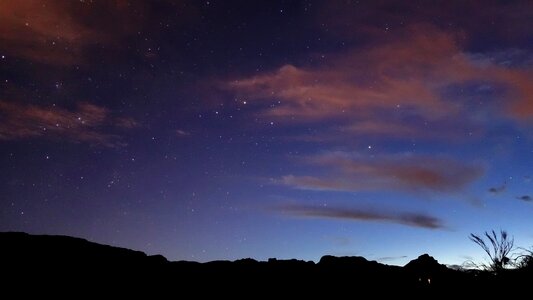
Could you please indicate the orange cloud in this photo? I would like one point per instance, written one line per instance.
(365, 215)
(353, 172)
(87, 124)
(406, 73)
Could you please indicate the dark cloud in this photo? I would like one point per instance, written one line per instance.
(354, 172)
(88, 123)
(366, 215)
(498, 189)
(525, 198)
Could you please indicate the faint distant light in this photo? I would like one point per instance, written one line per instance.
(244, 102)
(369, 146)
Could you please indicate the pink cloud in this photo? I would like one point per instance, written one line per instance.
(354, 172)
(358, 83)
(40, 31)
(87, 123)
(408, 71)
(59, 32)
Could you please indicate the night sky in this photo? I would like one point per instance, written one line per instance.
(206, 130)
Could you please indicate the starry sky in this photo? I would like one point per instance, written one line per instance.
(207, 130)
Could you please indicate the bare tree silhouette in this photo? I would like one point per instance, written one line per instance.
(497, 248)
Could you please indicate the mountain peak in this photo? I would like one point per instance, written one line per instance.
(424, 262)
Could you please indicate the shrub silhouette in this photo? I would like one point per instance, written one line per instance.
(525, 259)
(497, 248)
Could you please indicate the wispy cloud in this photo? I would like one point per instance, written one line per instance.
(391, 258)
(182, 133)
(88, 123)
(408, 172)
(384, 128)
(363, 215)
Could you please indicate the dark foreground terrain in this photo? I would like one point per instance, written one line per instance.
(38, 264)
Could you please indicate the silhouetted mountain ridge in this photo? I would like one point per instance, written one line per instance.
(49, 259)
(42, 249)
(52, 247)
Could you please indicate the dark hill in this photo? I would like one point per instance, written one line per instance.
(25, 249)
(58, 262)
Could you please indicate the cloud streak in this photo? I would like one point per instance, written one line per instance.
(88, 123)
(182, 133)
(363, 215)
(407, 172)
